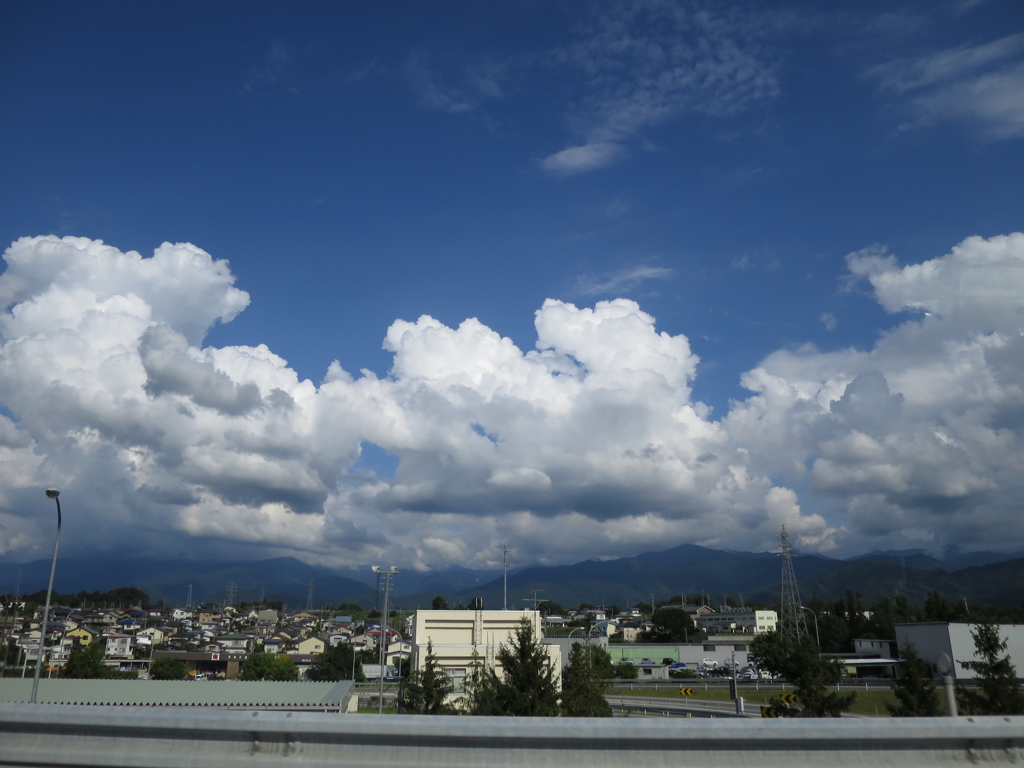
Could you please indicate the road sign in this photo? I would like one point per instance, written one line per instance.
(686, 691)
(768, 712)
(788, 698)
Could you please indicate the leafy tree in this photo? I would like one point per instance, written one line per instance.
(996, 690)
(625, 671)
(168, 669)
(814, 676)
(916, 695)
(87, 662)
(527, 685)
(584, 682)
(670, 625)
(268, 666)
(336, 664)
(403, 666)
(439, 603)
(428, 690)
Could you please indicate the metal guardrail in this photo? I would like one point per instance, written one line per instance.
(64, 736)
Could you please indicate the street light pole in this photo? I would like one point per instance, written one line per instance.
(51, 493)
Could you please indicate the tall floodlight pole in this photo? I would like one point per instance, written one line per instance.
(51, 493)
(387, 573)
(505, 565)
(793, 625)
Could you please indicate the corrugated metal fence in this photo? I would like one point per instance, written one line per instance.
(56, 735)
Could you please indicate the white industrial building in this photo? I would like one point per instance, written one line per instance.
(740, 621)
(462, 638)
(945, 645)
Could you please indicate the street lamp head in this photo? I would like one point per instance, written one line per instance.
(52, 493)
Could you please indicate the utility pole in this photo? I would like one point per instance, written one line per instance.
(535, 600)
(792, 623)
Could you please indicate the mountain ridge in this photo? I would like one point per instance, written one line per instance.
(688, 569)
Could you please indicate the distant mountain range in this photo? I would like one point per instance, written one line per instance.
(689, 570)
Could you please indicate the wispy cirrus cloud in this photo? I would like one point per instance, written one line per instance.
(431, 87)
(272, 70)
(586, 157)
(598, 285)
(980, 85)
(649, 62)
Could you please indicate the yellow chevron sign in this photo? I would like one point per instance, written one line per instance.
(788, 698)
(686, 691)
(768, 712)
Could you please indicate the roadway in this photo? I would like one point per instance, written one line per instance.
(639, 706)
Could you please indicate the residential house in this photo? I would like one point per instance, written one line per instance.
(81, 635)
(119, 646)
(312, 646)
(234, 642)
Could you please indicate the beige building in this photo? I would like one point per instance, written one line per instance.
(462, 638)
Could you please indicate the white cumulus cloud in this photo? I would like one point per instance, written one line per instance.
(589, 444)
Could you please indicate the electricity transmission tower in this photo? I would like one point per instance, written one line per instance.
(792, 624)
(310, 586)
(229, 595)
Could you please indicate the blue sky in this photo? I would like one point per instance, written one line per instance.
(754, 181)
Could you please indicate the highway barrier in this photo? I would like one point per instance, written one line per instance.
(63, 735)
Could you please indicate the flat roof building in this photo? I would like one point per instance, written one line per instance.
(943, 645)
(462, 638)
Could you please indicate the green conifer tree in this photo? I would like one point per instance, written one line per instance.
(916, 695)
(584, 682)
(527, 686)
(996, 689)
(428, 690)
